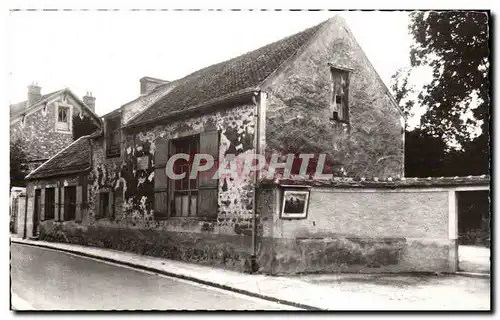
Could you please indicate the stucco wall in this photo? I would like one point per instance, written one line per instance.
(356, 230)
(298, 109)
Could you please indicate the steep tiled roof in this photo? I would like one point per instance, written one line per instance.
(74, 158)
(227, 78)
(19, 108)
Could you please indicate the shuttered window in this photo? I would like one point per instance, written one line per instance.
(186, 197)
(160, 178)
(185, 191)
(340, 93)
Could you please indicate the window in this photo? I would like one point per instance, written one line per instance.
(63, 118)
(106, 205)
(340, 93)
(185, 191)
(103, 204)
(63, 114)
(186, 197)
(50, 201)
(69, 203)
(113, 136)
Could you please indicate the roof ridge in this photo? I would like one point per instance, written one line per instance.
(245, 71)
(292, 56)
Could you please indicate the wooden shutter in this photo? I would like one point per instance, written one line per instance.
(343, 88)
(78, 209)
(56, 204)
(98, 211)
(208, 187)
(209, 144)
(62, 202)
(111, 204)
(41, 209)
(160, 178)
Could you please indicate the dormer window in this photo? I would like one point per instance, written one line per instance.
(339, 106)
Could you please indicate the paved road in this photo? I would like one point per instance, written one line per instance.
(44, 279)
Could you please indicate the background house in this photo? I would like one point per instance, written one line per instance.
(44, 124)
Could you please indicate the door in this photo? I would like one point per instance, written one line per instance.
(70, 203)
(36, 213)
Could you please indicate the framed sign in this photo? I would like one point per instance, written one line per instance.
(142, 163)
(295, 203)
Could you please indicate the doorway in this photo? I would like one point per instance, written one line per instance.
(69, 203)
(473, 231)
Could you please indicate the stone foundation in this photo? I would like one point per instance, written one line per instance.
(223, 251)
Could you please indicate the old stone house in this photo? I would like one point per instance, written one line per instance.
(313, 92)
(45, 124)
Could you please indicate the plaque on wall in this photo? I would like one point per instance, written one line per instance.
(295, 203)
(143, 163)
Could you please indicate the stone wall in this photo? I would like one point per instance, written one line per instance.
(53, 182)
(361, 230)
(38, 134)
(224, 241)
(298, 109)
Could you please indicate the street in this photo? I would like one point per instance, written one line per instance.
(44, 279)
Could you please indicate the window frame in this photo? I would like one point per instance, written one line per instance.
(344, 99)
(47, 204)
(63, 126)
(113, 149)
(67, 204)
(110, 212)
(173, 190)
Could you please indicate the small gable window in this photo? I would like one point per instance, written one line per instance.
(339, 105)
(63, 114)
(63, 118)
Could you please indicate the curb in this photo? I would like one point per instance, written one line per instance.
(473, 274)
(174, 275)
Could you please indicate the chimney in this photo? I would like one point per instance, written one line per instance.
(34, 94)
(89, 100)
(148, 84)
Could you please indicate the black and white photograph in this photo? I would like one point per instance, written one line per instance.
(249, 159)
(295, 204)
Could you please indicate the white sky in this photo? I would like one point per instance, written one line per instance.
(108, 52)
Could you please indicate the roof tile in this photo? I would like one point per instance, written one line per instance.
(75, 158)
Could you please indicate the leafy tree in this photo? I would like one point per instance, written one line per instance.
(454, 45)
(18, 167)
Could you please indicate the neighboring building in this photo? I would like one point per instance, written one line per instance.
(45, 124)
(313, 92)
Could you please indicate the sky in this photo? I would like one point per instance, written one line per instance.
(107, 52)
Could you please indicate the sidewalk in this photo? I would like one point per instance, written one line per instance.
(312, 292)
